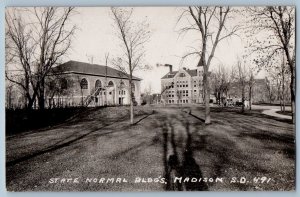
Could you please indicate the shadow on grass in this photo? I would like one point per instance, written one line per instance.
(179, 162)
(224, 148)
(146, 116)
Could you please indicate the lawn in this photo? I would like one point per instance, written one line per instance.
(163, 143)
(288, 113)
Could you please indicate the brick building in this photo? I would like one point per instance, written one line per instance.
(182, 86)
(76, 83)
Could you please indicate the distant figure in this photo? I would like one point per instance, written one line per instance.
(246, 104)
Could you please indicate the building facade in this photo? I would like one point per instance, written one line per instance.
(81, 84)
(182, 86)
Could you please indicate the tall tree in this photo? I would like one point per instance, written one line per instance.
(278, 24)
(37, 38)
(221, 80)
(242, 80)
(251, 83)
(133, 37)
(210, 23)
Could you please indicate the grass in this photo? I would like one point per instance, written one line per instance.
(163, 143)
(288, 113)
(22, 120)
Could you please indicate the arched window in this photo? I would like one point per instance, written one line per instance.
(110, 84)
(64, 84)
(122, 84)
(98, 84)
(84, 83)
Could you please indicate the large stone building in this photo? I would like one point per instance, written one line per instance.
(76, 83)
(183, 86)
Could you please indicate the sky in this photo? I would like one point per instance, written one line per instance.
(96, 35)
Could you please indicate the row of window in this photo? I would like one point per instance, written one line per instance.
(180, 91)
(122, 92)
(183, 86)
(179, 101)
(182, 82)
(85, 85)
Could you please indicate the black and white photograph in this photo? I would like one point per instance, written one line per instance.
(189, 98)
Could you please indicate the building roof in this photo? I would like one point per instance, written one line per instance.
(173, 73)
(90, 69)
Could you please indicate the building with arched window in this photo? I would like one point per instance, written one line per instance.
(83, 84)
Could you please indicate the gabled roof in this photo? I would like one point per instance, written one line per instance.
(90, 69)
(172, 74)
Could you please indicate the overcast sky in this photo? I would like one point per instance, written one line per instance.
(96, 36)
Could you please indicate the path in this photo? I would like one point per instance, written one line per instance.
(272, 111)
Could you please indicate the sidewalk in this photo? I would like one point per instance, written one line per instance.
(271, 111)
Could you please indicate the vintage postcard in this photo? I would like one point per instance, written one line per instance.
(191, 98)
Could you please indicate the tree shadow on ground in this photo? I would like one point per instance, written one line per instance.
(146, 116)
(220, 148)
(178, 159)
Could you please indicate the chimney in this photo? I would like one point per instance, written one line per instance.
(170, 67)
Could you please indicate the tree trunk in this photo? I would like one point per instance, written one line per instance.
(41, 102)
(250, 97)
(243, 98)
(131, 99)
(283, 92)
(293, 106)
(41, 95)
(30, 103)
(206, 95)
(291, 64)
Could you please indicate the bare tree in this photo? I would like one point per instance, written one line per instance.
(133, 36)
(221, 82)
(210, 23)
(242, 80)
(270, 88)
(251, 83)
(279, 75)
(36, 43)
(278, 22)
